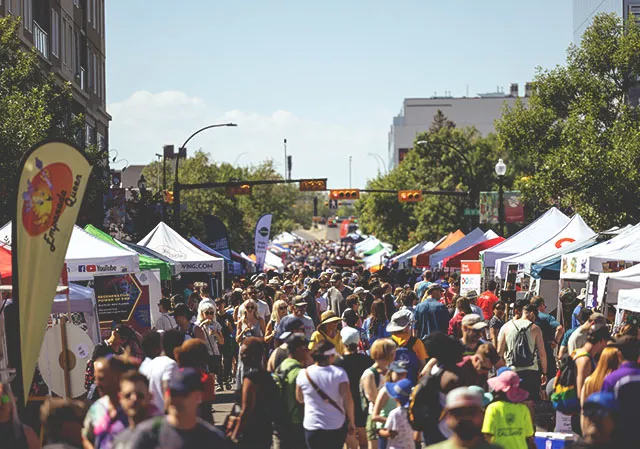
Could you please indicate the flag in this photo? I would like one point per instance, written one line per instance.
(53, 179)
(263, 229)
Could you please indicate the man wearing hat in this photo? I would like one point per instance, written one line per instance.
(600, 421)
(290, 325)
(180, 428)
(431, 315)
(472, 330)
(337, 294)
(579, 337)
(328, 330)
(472, 296)
(463, 408)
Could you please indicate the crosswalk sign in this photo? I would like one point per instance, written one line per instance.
(333, 204)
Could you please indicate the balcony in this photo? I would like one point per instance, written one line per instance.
(41, 40)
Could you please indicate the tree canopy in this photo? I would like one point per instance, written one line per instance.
(578, 137)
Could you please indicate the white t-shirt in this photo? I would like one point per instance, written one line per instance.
(318, 414)
(159, 370)
(398, 420)
(308, 326)
(165, 322)
(322, 304)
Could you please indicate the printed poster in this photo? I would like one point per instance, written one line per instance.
(122, 299)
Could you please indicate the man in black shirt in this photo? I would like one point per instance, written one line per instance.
(180, 428)
(309, 296)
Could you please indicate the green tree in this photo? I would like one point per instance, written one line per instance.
(578, 137)
(444, 158)
(34, 107)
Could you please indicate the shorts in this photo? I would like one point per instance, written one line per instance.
(530, 381)
(372, 431)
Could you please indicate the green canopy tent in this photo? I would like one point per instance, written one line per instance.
(146, 262)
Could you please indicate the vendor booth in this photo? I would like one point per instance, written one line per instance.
(472, 238)
(471, 253)
(526, 239)
(88, 256)
(422, 259)
(419, 248)
(5, 266)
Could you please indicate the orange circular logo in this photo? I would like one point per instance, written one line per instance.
(44, 199)
(564, 241)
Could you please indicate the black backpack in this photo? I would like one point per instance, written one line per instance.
(424, 406)
(522, 354)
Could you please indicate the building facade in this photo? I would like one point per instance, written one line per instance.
(417, 116)
(585, 10)
(69, 36)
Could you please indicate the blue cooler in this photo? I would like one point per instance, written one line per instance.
(553, 440)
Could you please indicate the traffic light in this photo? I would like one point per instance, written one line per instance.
(167, 196)
(409, 196)
(344, 194)
(244, 189)
(313, 185)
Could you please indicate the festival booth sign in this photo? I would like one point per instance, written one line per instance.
(88, 256)
(422, 259)
(472, 238)
(470, 276)
(603, 257)
(527, 238)
(471, 253)
(575, 230)
(124, 298)
(512, 206)
(145, 262)
(186, 257)
(52, 180)
(261, 239)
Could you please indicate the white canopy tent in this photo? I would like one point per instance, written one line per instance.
(274, 261)
(164, 240)
(611, 284)
(81, 299)
(88, 256)
(575, 230)
(526, 239)
(285, 238)
(366, 244)
(623, 247)
(413, 251)
(475, 236)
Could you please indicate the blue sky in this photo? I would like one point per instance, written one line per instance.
(329, 76)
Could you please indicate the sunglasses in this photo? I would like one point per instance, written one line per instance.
(209, 312)
(282, 308)
(250, 308)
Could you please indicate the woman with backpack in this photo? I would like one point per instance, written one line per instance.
(376, 323)
(383, 352)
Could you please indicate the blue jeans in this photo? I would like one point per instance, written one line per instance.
(326, 439)
(382, 443)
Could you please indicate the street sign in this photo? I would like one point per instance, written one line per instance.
(472, 211)
(333, 204)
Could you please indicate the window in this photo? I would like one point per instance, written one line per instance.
(95, 13)
(27, 7)
(102, 142)
(55, 33)
(95, 74)
(89, 138)
(68, 43)
(89, 11)
(89, 68)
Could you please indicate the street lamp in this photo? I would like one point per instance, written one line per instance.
(501, 170)
(182, 152)
(142, 184)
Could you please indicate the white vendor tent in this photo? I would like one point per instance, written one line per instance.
(81, 299)
(575, 230)
(366, 244)
(475, 236)
(623, 247)
(285, 238)
(88, 256)
(416, 249)
(187, 257)
(528, 238)
(274, 261)
(611, 284)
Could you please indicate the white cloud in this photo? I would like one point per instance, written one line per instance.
(146, 121)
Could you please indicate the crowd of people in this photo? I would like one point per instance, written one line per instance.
(324, 356)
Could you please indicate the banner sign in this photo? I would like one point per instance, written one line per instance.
(262, 232)
(513, 207)
(52, 183)
(115, 208)
(217, 235)
(122, 298)
(470, 276)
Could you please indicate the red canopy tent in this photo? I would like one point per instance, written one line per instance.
(471, 253)
(5, 266)
(422, 260)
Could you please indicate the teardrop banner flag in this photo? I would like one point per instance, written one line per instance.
(261, 240)
(52, 183)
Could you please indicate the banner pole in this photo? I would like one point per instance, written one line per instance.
(65, 356)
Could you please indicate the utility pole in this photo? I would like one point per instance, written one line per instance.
(285, 159)
(289, 165)
(350, 171)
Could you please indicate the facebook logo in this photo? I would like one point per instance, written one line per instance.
(82, 268)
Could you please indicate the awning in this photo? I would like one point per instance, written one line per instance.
(471, 253)
(422, 260)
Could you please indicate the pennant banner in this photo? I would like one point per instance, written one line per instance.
(262, 232)
(53, 180)
(217, 235)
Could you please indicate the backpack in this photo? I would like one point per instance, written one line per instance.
(425, 409)
(566, 397)
(523, 356)
(281, 416)
(406, 354)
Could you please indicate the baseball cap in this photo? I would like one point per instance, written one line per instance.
(299, 301)
(473, 321)
(350, 336)
(400, 390)
(626, 341)
(433, 287)
(181, 310)
(336, 277)
(287, 326)
(358, 290)
(185, 381)
(463, 397)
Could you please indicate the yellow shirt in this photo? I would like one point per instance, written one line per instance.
(318, 336)
(401, 339)
(509, 424)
